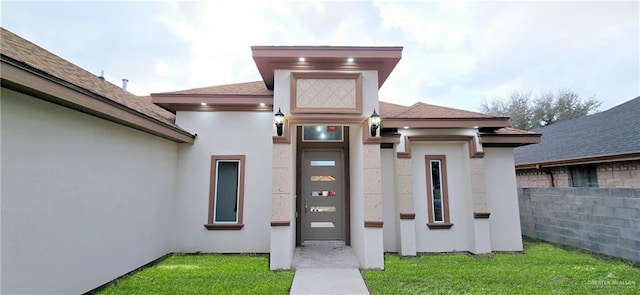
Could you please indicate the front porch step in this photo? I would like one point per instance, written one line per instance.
(325, 254)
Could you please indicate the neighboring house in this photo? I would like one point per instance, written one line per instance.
(97, 182)
(599, 150)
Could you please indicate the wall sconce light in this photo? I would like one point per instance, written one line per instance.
(279, 121)
(374, 121)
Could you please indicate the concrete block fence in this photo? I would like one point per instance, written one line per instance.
(601, 220)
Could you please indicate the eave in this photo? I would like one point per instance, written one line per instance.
(213, 102)
(319, 58)
(581, 160)
(508, 140)
(23, 78)
(491, 123)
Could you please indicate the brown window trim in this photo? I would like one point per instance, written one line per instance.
(211, 224)
(219, 226)
(407, 216)
(446, 224)
(439, 225)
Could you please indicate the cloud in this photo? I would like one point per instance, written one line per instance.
(455, 52)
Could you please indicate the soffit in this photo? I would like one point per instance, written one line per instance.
(319, 58)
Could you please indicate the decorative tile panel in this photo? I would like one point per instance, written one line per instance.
(326, 93)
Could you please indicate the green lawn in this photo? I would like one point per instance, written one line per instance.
(543, 269)
(206, 274)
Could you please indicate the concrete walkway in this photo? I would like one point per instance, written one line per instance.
(326, 267)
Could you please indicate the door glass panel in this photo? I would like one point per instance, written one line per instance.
(323, 163)
(322, 133)
(323, 193)
(322, 224)
(322, 209)
(322, 178)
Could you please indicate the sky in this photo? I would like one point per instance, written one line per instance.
(456, 53)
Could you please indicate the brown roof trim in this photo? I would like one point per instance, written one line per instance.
(26, 79)
(509, 140)
(445, 123)
(322, 58)
(408, 140)
(214, 102)
(582, 160)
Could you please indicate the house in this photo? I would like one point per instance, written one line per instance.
(97, 181)
(598, 150)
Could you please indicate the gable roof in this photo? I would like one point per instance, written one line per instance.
(21, 57)
(244, 89)
(422, 110)
(248, 96)
(612, 132)
(423, 115)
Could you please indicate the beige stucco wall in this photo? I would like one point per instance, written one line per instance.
(283, 174)
(372, 175)
(84, 200)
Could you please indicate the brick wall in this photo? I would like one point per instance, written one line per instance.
(624, 174)
(601, 220)
(537, 178)
(619, 174)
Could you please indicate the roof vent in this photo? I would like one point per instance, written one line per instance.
(124, 84)
(101, 75)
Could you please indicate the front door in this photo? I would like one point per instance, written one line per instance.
(323, 200)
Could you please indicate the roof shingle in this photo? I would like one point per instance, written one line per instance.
(614, 131)
(247, 88)
(19, 49)
(422, 110)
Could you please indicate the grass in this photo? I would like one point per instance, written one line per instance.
(205, 274)
(543, 269)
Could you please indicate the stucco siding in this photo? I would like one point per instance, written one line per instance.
(502, 200)
(457, 238)
(357, 194)
(84, 200)
(390, 214)
(224, 133)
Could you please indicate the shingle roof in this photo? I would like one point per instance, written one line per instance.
(19, 49)
(422, 110)
(614, 131)
(247, 88)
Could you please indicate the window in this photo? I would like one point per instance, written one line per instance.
(322, 133)
(583, 176)
(437, 192)
(226, 193)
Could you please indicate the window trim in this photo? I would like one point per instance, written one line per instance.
(211, 224)
(446, 223)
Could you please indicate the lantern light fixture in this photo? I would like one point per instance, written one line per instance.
(279, 121)
(374, 122)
